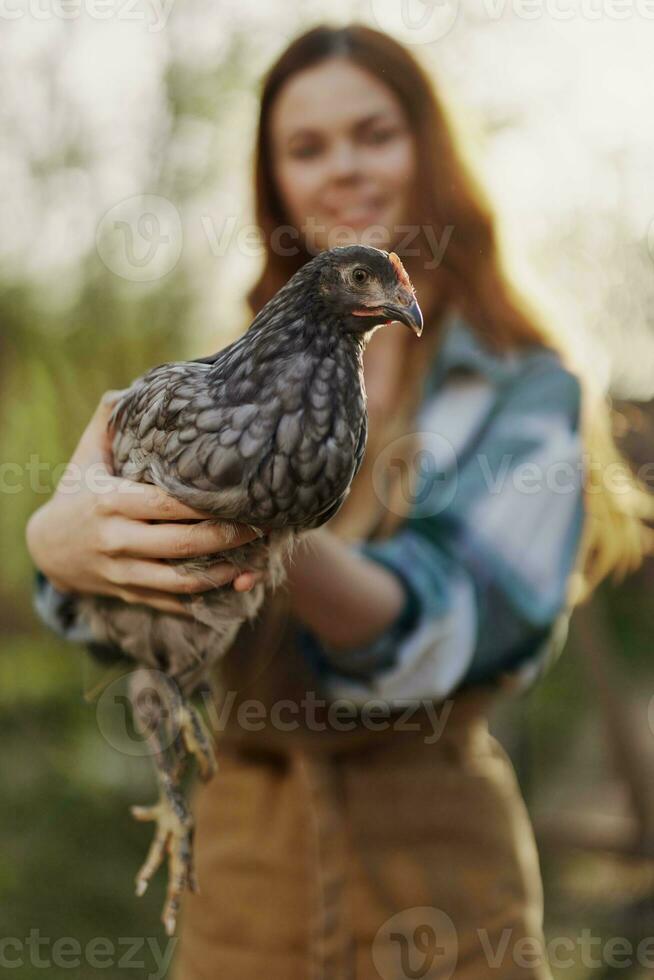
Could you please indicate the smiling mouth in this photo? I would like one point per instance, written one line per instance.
(355, 213)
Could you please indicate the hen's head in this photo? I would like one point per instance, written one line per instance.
(365, 286)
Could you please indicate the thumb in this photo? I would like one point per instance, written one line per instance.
(94, 445)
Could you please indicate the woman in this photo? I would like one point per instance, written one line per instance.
(364, 823)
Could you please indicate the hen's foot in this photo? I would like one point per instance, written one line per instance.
(174, 835)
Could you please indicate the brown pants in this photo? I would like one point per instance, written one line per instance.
(398, 858)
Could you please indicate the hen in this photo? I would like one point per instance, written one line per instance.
(269, 432)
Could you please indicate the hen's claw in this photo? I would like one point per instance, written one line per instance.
(156, 852)
(174, 834)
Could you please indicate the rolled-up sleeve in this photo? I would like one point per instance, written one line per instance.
(485, 558)
(60, 612)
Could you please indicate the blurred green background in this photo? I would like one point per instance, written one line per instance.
(97, 112)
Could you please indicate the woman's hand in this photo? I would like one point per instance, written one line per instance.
(93, 535)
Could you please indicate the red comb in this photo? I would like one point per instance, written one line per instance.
(400, 271)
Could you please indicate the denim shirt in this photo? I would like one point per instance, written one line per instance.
(486, 549)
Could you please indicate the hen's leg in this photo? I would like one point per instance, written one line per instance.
(175, 730)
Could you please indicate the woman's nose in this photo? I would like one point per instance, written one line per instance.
(344, 160)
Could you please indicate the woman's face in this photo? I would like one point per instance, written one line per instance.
(343, 156)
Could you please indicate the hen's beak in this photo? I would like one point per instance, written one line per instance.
(408, 313)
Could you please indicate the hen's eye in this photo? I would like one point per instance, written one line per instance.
(360, 276)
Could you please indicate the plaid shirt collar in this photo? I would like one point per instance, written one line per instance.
(463, 347)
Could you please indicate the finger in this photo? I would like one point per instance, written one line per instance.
(145, 502)
(202, 538)
(246, 581)
(130, 573)
(161, 601)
